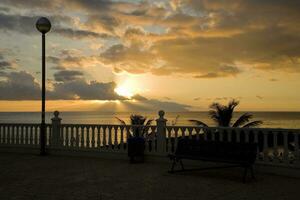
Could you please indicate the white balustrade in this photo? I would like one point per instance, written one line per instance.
(276, 146)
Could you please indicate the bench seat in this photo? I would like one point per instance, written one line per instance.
(241, 154)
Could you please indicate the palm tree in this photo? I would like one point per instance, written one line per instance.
(222, 116)
(141, 124)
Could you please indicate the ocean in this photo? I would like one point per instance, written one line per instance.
(270, 119)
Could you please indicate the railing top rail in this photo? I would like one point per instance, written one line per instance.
(109, 125)
(22, 124)
(154, 126)
(238, 128)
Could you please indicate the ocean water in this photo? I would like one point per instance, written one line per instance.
(270, 119)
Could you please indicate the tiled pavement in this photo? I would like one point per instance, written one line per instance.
(61, 177)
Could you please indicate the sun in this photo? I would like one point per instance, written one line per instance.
(124, 91)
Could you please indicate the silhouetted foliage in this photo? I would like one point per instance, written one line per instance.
(141, 124)
(222, 116)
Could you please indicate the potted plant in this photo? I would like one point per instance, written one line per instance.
(136, 140)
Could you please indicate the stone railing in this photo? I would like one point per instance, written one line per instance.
(23, 135)
(276, 146)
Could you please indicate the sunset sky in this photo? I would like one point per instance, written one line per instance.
(128, 55)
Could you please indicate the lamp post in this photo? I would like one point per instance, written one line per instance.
(43, 25)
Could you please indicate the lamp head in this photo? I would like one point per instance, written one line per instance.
(43, 25)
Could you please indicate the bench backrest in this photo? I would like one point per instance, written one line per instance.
(243, 152)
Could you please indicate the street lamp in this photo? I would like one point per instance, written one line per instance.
(43, 25)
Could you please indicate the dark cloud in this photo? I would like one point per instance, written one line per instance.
(273, 79)
(197, 38)
(21, 24)
(19, 86)
(139, 97)
(79, 34)
(22, 86)
(259, 97)
(5, 65)
(104, 22)
(167, 98)
(67, 75)
(26, 25)
(71, 61)
(223, 71)
(132, 59)
(41, 4)
(81, 89)
(4, 9)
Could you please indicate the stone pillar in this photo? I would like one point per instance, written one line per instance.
(161, 133)
(56, 136)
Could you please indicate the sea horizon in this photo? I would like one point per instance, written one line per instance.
(271, 119)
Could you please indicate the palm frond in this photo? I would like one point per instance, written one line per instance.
(121, 121)
(149, 122)
(232, 104)
(198, 123)
(253, 124)
(242, 120)
(137, 119)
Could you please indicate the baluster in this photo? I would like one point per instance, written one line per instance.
(296, 141)
(221, 134)
(1, 134)
(67, 136)
(109, 138)
(21, 134)
(207, 130)
(176, 138)
(265, 144)
(190, 130)
(104, 136)
(116, 138)
(275, 143)
(183, 132)
(128, 133)
(4, 134)
(255, 134)
(285, 146)
(229, 135)
(93, 136)
(197, 129)
(145, 131)
(98, 137)
(26, 135)
(72, 138)
(238, 135)
(169, 145)
(77, 136)
(8, 136)
(12, 134)
(17, 135)
(122, 138)
(246, 132)
(49, 135)
(82, 136)
(88, 141)
(213, 134)
(30, 135)
(36, 135)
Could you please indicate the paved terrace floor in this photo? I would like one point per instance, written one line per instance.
(61, 177)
